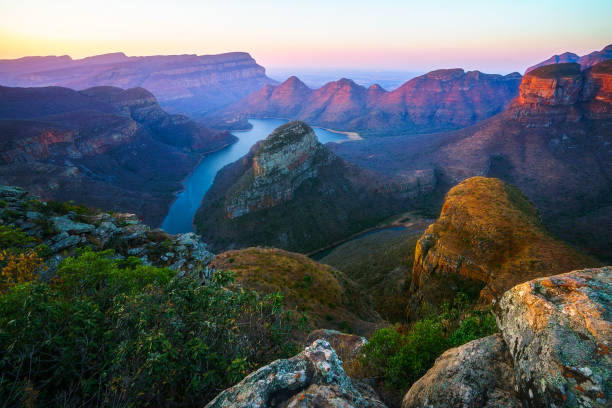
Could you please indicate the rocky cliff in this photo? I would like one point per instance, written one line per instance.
(292, 192)
(439, 100)
(584, 61)
(191, 84)
(553, 142)
(64, 229)
(488, 238)
(105, 147)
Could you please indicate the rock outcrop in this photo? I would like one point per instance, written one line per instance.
(585, 61)
(477, 374)
(105, 147)
(313, 378)
(287, 158)
(191, 84)
(558, 331)
(553, 350)
(439, 100)
(553, 142)
(325, 295)
(291, 192)
(487, 237)
(64, 231)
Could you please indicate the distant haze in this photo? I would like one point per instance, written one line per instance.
(402, 35)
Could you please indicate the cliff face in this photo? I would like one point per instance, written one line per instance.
(553, 143)
(192, 84)
(287, 158)
(584, 61)
(443, 99)
(105, 147)
(292, 192)
(488, 237)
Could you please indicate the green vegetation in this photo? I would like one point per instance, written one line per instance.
(109, 332)
(382, 262)
(557, 70)
(399, 357)
(323, 295)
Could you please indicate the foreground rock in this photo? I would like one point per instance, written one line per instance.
(559, 333)
(477, 374)
(313, 378)
(64, 229)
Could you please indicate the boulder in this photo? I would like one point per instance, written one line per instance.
(65, 224)
(559, 333)
(346, 345)
(313, 378)
(477, 374)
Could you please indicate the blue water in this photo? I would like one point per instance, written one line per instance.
(199, 181)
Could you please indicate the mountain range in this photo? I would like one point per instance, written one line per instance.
(190, 84)
(439, 100)
(104, 147)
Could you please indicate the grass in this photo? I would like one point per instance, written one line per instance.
(325, 295)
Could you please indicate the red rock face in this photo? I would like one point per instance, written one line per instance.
(564, 89)
(443, 99)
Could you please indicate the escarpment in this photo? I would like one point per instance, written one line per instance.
(291, 192)
(487, 239)
(105, 147)
(191, 84)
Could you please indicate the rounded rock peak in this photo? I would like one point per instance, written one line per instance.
(289, 133)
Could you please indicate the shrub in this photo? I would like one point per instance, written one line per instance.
(116, 332)
(18, 268)
(398, 357)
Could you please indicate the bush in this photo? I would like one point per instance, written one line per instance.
(398, 358)
(116, 332)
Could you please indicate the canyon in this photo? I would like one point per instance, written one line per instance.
(104, 147)
(188, 84)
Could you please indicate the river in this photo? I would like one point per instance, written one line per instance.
(199, 181)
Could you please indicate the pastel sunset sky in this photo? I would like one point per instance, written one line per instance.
(493, 36)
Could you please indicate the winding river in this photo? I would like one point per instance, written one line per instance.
(199, 181)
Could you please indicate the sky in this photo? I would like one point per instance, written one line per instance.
(394, 35)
